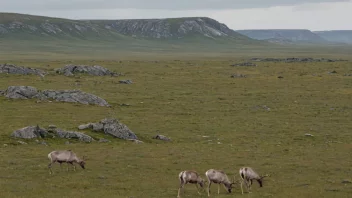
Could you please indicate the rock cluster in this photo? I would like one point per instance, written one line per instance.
(112, 127)
(14, 69)
(75, 96)
(31, 132)
(96, 70)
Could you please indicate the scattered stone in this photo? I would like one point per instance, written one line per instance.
(125, 81)
(135, 141)
(238, 76)
(30, 132)
(85, 126)
(346, 181)
(280, 77)
(332, 72)
(343, 75)
(125, 105)
(161, 137)
(21, 142)
(13, 69)
(67, 142)
(114, 128)
(245, 64)
(74, 135)
(5, 145)
(102, 140)
(309, 135)
(96, 70)
(76, 96)
(2, 92)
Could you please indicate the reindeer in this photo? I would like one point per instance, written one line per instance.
(191, 177)
(219, 177)
(248, 175)
(66, 156)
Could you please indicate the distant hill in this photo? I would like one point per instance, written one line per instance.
(38, 27)
(284, 36)
(340, 36)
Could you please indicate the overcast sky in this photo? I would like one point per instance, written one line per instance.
(237, 14)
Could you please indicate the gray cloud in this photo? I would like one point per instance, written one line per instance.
(26, 5)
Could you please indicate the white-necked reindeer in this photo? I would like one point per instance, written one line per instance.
(218, 177)
(66, 156)
(191, 177)
(248, 175)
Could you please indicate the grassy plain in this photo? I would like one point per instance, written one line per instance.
(185, 97)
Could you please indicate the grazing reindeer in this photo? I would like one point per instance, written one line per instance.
(191, 177)
(66, 156)
(218, 177)
(248, 175)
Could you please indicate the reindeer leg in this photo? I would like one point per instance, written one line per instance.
(209, 189)
(49, 166)
(198, 189)
(218, 188)
(242, 185)
(179, 190)
(249, 186)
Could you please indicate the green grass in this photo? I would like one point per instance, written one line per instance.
(186, 100)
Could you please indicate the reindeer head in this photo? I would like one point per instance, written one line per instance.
(260, 181)
(201, 182)
(82, 162)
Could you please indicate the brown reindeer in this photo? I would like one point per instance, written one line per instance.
(191, 177)
(66, 156)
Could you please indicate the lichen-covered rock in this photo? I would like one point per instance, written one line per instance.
(75, 96)
(125, 81)
(14, 69)
(30, 132)
(21, 92)
(112, 127)
(245, 64)
(95, 70)
(74, 135)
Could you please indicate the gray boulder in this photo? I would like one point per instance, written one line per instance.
(95, 70)
(238, 76)
(75, 96)
(13, 69)
(30, 132)
(74, 135)
(112, 127)
(161, 137)
(21, 92)
(125, 81)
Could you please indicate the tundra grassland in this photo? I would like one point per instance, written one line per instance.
(214, 121)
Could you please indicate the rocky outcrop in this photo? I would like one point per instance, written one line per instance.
(32, 132)
(14, 69)
(238, 76)
(74, 135)
(74, 96)
(21, 92)
(95, 70)
(112, 127)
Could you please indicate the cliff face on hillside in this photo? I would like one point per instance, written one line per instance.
(19, 25)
